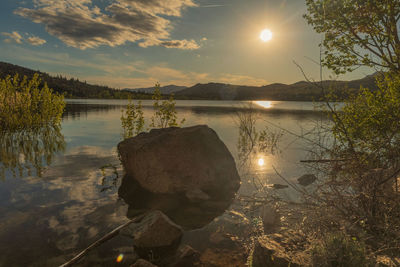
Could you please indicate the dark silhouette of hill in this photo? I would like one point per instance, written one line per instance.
(72, 88)
(300, 91)
(165, 90)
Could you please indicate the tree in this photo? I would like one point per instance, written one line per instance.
(165, 114)
(360, 161)
(357, 33)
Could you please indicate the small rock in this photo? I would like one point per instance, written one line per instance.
(270, 217)
(143, 263)
(187, 256)
(156, 233)
(307, 179)
(279, 186)
(268, 252)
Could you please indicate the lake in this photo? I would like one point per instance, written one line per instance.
(45, 219)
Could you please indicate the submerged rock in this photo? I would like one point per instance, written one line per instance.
(270, 217)
(186, 256)
(189, 215)
(143, 263)
(191, 161)
(155, 234)
(307, 179)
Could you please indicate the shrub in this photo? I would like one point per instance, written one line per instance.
(132, 120)
(337, 250)
(26, 104)
(165, 115)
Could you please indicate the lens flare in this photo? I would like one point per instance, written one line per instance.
(261, 162)
(120, 258)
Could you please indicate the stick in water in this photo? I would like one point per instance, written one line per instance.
(105, 238)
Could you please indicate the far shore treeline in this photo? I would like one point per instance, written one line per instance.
(300, 91)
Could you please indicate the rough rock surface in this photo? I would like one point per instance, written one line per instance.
(307, 179)
(155, 234)
(186, 256)
(192, 161)
(276, 250)
(270, 217)
(156, 230)
(143, 263)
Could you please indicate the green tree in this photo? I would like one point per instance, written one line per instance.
(360, 163)
(28, 104)
(357, 32)
(165, 114)
(132, 120)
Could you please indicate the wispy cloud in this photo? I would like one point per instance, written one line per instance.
(12, 37)
(211, 6)
(17, 38)
(34, 40)
(80, 24)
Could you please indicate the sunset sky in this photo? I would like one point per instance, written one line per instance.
(135, 43)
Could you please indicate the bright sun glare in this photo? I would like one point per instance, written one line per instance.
(261, 162)
(266, 35)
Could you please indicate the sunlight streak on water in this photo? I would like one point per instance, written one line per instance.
(264, 104)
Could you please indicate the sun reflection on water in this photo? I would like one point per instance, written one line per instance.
(264, 104)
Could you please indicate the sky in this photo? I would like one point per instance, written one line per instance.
(136, 43)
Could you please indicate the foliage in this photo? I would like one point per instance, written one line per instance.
(369, 124)
(165, 114)
(133, 120)
(29, 150)
(252, 140)
(71, 87)
(357, 32)
(338, 250)
(23, 104)
(360, 163)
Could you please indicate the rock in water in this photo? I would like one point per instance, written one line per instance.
(143, 263)
(181, 160)
(307, 179)
(156, 233)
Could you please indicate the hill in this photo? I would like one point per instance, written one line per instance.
(300, 91)
(71, 88)
(165, 90)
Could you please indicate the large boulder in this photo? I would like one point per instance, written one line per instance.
(192, 161)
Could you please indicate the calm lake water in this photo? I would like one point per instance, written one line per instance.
(46, 220)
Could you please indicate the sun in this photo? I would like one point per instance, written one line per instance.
(266, 35)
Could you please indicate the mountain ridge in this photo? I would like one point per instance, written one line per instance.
(299, 91)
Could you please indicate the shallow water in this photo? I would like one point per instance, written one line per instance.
(46, 219)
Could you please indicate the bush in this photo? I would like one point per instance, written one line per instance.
(132, 120)
(164, 111)
(338, 250)
(26, 104)
(165, 115)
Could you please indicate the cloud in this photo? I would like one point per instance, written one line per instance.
(34, 40)
(83, 25)
(12, 37)
(16, 37)
(181, 44)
